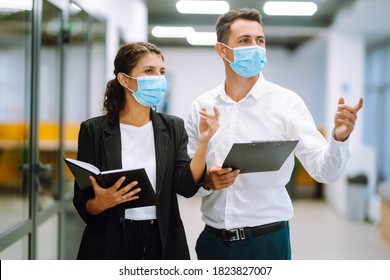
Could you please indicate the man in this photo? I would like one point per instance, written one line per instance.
(247, 215)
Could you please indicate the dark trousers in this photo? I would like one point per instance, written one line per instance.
(143, 240)
(270, 246)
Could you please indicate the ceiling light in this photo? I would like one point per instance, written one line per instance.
(284, 8)
(202, 38)
(171, 31)
(202, 7)
(13, 5)
(74, 9)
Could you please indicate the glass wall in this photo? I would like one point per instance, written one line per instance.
(47, 54)
(76, 87)
(15, 96)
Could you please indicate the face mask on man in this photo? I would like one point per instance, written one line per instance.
(248, 61)
(151, 89)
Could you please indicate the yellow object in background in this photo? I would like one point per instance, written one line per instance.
(14, 143)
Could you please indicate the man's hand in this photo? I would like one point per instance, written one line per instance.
(218, 178)
(345, 119)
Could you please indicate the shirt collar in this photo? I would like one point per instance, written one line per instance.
(259, 88)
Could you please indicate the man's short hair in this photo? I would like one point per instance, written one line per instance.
(224, 22)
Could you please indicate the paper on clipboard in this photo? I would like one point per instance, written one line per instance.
(259, 156)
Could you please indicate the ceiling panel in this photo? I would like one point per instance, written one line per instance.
(284, 31)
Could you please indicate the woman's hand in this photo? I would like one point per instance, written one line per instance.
(208, 125)
(110, 197)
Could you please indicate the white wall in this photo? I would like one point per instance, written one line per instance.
(345, 77)
(190, 72)
(302, 71)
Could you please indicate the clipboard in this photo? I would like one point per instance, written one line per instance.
(259, 156)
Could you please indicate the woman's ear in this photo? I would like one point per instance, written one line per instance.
(122, 79)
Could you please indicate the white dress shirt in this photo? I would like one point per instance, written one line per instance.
(268, 112)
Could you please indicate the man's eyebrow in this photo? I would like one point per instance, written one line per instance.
(248, 36)
(243, 36)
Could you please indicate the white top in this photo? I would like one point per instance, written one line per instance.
(138, 152)
(268, 112)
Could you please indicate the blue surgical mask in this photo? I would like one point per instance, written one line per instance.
(248, 61)
(151, 89)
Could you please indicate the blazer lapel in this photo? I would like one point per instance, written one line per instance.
(112, 146)
(161, 140)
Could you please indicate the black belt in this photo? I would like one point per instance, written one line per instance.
(151, 222)
(246, 232)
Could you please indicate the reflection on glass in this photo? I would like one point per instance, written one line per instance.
(97, 75)
(85, 83)
(15, 56)
(73, 232)
(49, 104)
(16, 251)
(48, 239)
(76, 85)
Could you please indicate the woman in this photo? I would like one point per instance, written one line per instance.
(132, 135)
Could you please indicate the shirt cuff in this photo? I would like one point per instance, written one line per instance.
(339, 147)
(203, 192)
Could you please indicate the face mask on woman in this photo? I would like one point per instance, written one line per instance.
(248, 61)
(151, 89)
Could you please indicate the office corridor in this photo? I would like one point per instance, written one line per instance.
(318, 232)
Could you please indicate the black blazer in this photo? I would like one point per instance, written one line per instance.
(100, 144)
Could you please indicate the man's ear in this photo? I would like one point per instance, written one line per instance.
(221, 50)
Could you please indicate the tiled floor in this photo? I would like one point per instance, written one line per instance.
(318, 232)
(321, 233)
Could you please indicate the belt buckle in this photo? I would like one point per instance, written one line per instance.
(234, 234)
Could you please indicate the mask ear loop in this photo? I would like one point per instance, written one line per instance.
(130, 78)
(229, 49)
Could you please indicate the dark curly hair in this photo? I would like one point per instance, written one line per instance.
(224, 22)
(126, 59)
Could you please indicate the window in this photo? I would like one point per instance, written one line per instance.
(377, 104)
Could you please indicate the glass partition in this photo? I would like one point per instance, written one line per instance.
(76, 85)
(45, 92)
(49, 104)
(15, 93)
